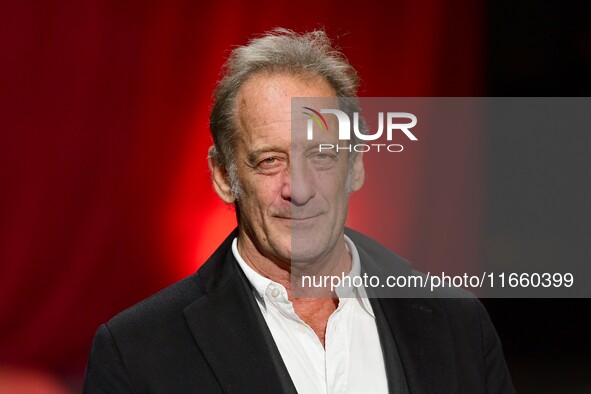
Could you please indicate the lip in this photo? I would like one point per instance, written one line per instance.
(298, 219)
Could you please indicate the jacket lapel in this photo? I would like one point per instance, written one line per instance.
(424, 345)
(419, 327)
(226, 324)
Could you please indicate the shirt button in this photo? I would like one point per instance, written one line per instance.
(275, 292)
(302, 329)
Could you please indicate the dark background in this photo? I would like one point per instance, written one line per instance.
(539, 188)
(105, 196)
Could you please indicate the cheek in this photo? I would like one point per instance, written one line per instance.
(263, 191)
(333, 189)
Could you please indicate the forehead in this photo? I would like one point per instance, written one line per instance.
(264, 101)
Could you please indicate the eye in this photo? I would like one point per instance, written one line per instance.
(321, 156)
(323, 160)
(268, 164)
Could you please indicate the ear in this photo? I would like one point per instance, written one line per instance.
(220, 179)
(358, 172)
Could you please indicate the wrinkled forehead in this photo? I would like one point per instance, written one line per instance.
(265, 100)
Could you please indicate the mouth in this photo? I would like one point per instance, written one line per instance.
(298, 218)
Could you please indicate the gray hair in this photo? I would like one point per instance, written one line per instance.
(279, 50)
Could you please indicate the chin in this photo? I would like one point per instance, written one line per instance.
(279, 245)
(308, 247)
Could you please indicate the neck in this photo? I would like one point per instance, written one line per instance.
(335, 261)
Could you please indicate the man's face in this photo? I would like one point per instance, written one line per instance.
(293, 203)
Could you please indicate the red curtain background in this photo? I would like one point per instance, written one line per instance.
(103, 137)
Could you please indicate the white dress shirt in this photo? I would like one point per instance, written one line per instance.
(352, 360)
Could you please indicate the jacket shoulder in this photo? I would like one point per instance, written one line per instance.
(162, 306)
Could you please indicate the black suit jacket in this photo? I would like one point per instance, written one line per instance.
(205, 334)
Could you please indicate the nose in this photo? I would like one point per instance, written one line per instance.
(298, 186)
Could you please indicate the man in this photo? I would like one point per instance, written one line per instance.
(235, 326)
